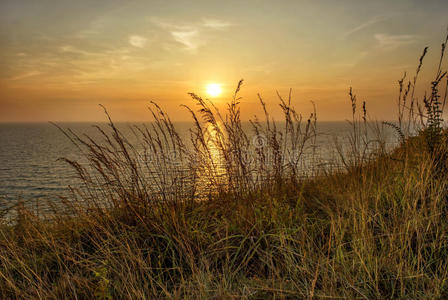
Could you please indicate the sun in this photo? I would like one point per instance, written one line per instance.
(213, 89)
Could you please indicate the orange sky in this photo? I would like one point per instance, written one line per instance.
(60, 59)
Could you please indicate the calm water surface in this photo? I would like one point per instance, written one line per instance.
(29, 156)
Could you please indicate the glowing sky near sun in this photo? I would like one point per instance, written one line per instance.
(60, 58)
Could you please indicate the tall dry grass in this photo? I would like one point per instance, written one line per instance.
(139, 227)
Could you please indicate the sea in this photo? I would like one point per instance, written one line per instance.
(31, 167)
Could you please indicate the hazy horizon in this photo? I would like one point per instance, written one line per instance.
(61, 59)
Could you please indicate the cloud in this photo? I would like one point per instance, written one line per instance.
(166, 25)
(191, 35)
(372, 21)
(215, 24)
(186, 38)
(389, 41)
(137, 41)
(364, 25)
(26, 75)
(71, 49)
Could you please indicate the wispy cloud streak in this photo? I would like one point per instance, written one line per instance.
(191, 35)
(390, 41)
(137, 41)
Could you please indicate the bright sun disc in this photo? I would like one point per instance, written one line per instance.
(214, 89)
